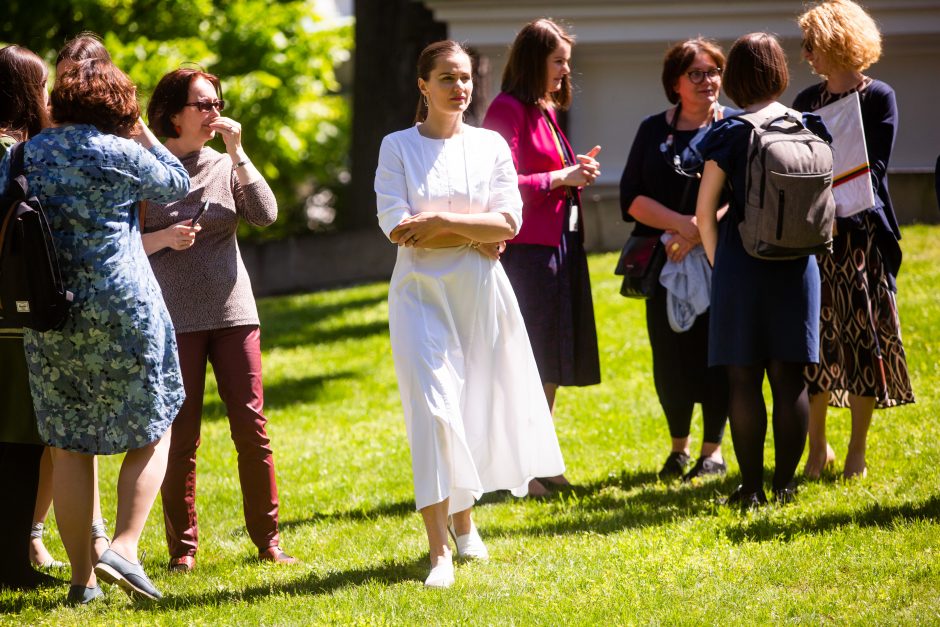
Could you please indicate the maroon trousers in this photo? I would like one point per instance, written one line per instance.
(235, 354)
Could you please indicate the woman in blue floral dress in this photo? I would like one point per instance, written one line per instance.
(109, 381)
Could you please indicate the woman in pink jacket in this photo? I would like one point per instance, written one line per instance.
(546, 262)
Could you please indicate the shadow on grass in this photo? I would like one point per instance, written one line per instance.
(875, 515)
(617, 502)
(390, 510)
(284, 393)
(285, 324)
(387, 573)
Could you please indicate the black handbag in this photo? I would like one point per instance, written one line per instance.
(641, 261)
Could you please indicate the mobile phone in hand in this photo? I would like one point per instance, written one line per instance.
(199, 213)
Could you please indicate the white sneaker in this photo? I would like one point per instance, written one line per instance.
(470, 545)
(442, 573)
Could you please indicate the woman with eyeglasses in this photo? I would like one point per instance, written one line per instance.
(208, 293)
(862, 364)
(658, 191)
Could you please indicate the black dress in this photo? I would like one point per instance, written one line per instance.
(680, 369)
(761, 310)
(553, 287)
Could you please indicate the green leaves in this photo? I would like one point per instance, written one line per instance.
(277, 62)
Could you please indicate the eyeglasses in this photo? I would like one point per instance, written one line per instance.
(697, 76)
(208, 105)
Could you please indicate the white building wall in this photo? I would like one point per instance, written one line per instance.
(617, 62)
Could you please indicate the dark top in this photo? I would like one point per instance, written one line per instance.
(17, 420)
(936, 180)
(760, 309)
(880, 122)
(649, 170)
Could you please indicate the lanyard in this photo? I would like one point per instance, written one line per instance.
(563, 155)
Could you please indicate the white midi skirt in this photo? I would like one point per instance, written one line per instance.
(475, 411)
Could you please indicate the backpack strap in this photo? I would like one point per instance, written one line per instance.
(16, 160)
(17, 186)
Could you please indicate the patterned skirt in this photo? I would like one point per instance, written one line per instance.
(860, 348)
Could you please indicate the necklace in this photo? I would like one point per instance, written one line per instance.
(451, 192)
(668, 148)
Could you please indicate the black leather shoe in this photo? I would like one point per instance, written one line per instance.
(674, 466)
(785, 495)
(746, 500)
(703, 467)
(80, 595)
(129, 576)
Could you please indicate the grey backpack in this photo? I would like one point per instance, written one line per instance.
(788, 209)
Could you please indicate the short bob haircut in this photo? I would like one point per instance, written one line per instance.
(85, 45)
(426, 62)
(526, 73)
(96, 92)
(23, 77)
(757, 69)
(680, 57)
(843, 33)
(171, 95)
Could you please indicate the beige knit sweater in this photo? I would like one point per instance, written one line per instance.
(206, 286)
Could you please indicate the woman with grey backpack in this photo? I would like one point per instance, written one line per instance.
(764, 312)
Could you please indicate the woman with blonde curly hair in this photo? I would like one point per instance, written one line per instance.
(861, 358)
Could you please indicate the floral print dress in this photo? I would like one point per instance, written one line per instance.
(109, 381)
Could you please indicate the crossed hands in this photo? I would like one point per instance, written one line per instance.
(682, 239)
(415, 231)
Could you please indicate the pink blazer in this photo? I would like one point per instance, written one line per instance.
(535, 155)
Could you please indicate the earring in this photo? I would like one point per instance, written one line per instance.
(427, 105)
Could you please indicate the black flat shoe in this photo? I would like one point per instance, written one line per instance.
(131, 577)
(80, 595)
(746, 500)
(674, 466)
(786, 495)
(703, 467)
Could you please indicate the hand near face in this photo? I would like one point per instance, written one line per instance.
(230, 131)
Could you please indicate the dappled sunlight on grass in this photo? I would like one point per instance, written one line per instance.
(618, 547)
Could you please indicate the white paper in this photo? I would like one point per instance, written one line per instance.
(851, 178)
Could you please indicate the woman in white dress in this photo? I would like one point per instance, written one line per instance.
(475, 413)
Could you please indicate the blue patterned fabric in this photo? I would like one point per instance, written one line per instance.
(109, 381)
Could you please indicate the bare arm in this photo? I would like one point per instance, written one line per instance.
(428, 226)
(657, 215)
(706, 208)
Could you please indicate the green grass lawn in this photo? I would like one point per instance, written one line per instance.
(620, 548)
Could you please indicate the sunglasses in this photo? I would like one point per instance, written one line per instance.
(207, 105)
(697, 76)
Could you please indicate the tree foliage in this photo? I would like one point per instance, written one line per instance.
(277, 62)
